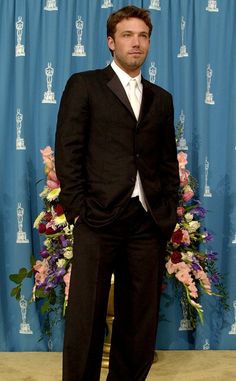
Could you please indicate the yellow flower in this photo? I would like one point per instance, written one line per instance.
(47, 243)
(60, 220)
(38, 220)
(44, 193)
(53, 194)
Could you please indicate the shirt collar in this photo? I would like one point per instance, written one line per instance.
(124, 77)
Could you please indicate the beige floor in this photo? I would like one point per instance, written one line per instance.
(171, 366)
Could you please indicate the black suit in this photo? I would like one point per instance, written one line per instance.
(99, 148)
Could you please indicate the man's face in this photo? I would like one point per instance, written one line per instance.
(130, 44)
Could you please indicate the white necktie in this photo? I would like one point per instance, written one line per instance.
(133, 97)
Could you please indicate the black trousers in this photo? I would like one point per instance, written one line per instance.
(132, 248)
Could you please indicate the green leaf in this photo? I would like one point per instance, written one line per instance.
(30, 273)
(45, 307)
(16, 292)
(39, 293)
(23, 272)
(18, 278)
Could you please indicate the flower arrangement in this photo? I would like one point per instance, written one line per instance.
(190, 267)
(52, 271)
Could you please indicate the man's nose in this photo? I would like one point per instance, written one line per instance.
(136, 41)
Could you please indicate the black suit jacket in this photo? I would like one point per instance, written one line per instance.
(100, 146)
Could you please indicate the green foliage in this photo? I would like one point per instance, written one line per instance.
(19, 278)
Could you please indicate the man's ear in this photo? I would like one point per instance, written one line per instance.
(110, 43)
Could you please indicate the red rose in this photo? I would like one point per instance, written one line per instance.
(50, 230)
(177, 236)
(180, 211)
(42, 228)
(58, 209)
(47, 216)
(175, 257)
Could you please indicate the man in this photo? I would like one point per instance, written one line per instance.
(116, 161)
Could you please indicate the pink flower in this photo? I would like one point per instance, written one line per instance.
(66, 279)
(39, 278)
(48, 158)
(41, 269)
(41, 266)
(204, 279)
(184, 175)
(52, 176)
(193, 290)
(171, 267)
(184, 276)
(185, 238)
(187, 196)
(182, 159)
(175, 267)
(52, 184)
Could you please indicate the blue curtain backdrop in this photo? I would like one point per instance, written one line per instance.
(193, 55)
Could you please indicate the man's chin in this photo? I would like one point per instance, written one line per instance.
(137, 63)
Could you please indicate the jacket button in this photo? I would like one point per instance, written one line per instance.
(137, 155)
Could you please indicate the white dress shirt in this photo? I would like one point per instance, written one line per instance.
(125, 79)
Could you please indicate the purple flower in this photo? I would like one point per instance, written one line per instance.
(212, 256)
(215, 278)
(196, 266)
(60, 272)
(208, 235)
(49, 286)
(199, 211)
(44, 253)
(63, 241)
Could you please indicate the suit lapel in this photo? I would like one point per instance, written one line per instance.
(116, 87)
(147, 99)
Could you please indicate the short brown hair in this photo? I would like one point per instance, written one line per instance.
(126, 13)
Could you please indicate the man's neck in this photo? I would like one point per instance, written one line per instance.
(132, 73)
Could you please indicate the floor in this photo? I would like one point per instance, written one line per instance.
(171, 366)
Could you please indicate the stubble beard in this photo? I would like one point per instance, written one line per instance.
(131, 63)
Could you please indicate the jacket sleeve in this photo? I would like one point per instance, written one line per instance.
(169, 169)
(70, 146)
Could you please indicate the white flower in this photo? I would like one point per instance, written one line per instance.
(177, 227)
(188, 217)
(68, 254)
(188, 256)
(193, 226)
(61, 262)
